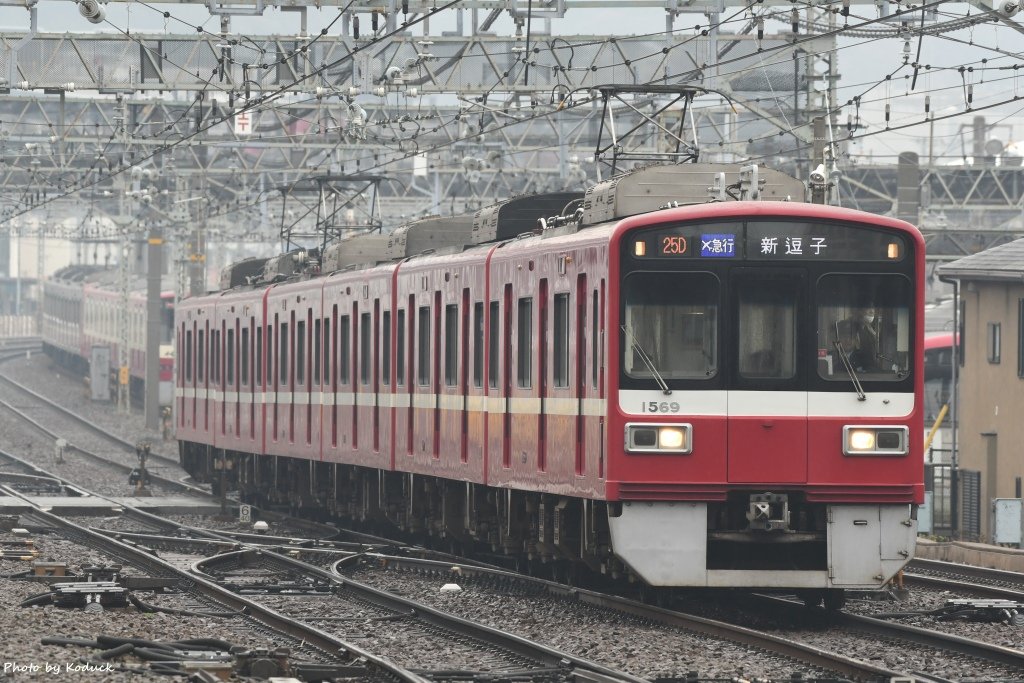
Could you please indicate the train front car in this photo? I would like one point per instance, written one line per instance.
(769, 398)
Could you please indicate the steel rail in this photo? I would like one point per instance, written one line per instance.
(173, 484)
(992, 576)
(304, 633)
(933, 639)
(96, 429)
(582, 668)
(806, 654)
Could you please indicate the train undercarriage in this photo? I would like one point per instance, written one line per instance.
(564, 534)
(560, 537)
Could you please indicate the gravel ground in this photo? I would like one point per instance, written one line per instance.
(24, 627)
(25, 441)
(616, 640)
(653, 650)
(923, 598)
(43, 376)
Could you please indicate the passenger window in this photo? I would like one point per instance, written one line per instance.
(524, 334)
(423, 346)
(561, 332)
(282, 352)
(300, 352)
(344, 350)
(451, 345)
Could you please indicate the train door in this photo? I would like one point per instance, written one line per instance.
(768, 410)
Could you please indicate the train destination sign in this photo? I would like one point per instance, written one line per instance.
(769, 241)
(784, 240)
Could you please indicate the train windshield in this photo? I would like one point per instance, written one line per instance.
(672, 319)
(865, 318)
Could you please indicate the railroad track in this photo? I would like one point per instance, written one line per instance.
(896, 633)
(81, 422)
(515, 656)
(806, 655)
(468, 648)
(962, 578)
(303, 638)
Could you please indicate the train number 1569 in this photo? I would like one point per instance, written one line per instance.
(661, 407)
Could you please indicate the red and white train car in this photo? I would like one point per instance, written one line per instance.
(721, 394)
(82, 308)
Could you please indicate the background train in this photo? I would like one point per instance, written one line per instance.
(81, 309)
(698, 393)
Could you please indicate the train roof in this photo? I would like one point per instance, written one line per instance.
(105, 278)
(938, 340)
(640, 191)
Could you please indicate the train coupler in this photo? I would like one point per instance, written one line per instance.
(768, 512)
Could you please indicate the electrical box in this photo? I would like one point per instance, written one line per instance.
(99, 367)
(1006, 521)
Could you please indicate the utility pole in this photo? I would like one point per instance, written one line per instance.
(154, 315)
(196, 250)
(124, 277)
(124, 285)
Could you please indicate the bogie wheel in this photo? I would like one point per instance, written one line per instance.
(811, 599)
(835, 599)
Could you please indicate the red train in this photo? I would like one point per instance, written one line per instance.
(81, 308)
(718, 394)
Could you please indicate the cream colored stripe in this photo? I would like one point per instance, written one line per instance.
(525, 406)
(366, 399)
(424, 401)
(448, 402)
(495, 404)
(561, 406)
(595, 407)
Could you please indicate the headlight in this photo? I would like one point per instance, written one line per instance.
(875, 440)
(658, 438)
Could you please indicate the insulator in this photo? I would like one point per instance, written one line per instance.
(970, 94)
(794, 17)
(374, 17)
(927, 103)
(887, 112)
(405, 6)
(846, 8)
(355, 27)
(760, 28)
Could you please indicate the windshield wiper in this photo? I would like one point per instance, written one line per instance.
(893, 366)
(646, 360)
(861, 396)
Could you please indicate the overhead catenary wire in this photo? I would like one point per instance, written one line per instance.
(268, 102)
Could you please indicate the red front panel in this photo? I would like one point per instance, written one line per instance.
(767, 450)
(841, 477)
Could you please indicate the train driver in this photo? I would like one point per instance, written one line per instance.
(859, 334)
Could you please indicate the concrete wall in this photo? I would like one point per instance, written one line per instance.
(993, 557)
